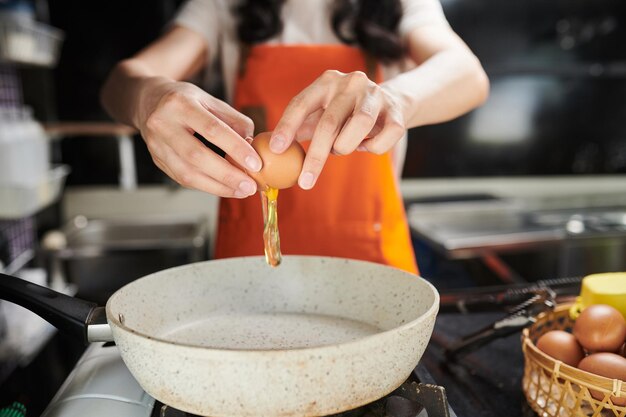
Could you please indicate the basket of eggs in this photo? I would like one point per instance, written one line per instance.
(574, 362)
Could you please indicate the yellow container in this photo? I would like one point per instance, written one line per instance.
(607, 288)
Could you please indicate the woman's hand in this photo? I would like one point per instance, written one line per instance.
(169, 114)
(344, 113)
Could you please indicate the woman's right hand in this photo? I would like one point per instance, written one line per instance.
(168, 114)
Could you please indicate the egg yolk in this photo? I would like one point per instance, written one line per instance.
(279, 171)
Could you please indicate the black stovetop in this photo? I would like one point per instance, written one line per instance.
(485, 383)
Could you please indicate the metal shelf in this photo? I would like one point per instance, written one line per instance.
(27, 42)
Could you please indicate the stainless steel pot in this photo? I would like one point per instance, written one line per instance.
(233, 337)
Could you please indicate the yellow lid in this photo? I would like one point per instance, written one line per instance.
(607, 288)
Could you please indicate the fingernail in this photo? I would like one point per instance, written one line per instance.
(306, 180)
(253, 164)
(277, 144)
(239, 194)
(246, 187)
(249, 139)
(361, 148)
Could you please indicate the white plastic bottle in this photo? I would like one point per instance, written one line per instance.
(38, 146)
(9, 147)
(24, 152)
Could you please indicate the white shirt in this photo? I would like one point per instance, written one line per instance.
(304, 22)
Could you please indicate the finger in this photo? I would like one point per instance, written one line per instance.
(197, 157)
(299, 108)
(192, 152)
(326, 132)
(189, 177)
(307, 129)
(219, 133)
(161, 165)
(239, 122)
(393, 130)
(360, 123)
(216, 167)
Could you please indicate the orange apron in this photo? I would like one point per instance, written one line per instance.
(355, 209)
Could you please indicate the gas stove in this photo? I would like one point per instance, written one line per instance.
(101, 385)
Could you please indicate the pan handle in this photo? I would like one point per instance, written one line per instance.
(68, 314)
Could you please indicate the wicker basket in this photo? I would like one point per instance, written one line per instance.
(553, 388)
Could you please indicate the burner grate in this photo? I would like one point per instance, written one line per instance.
(418, 396)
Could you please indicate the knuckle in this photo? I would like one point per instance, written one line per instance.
(241, 122)
(315, 162)
(210, 127)
(365, 111)
(238, 167)
(369, 107)
(172, 99)
(330, 119)
(154, 123)
(224, 192)
(238, 149)
(229, 179)
(328, 123)
(194, 155)
(357, 78)
(297, 103)
(376, 148)
(342, 149)
(331, 74)
(153, 147)
(185, 178)
(244, 123)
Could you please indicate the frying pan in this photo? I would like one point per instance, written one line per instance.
(234, 337)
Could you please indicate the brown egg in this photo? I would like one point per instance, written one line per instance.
(279, 170)
(608, 365)
(561, 346)
(600, 328)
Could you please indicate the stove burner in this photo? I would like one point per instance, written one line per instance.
(418, 396)
(582, 221)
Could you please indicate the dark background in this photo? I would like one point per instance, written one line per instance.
(558, 83)
(557, 104)
(97, 36)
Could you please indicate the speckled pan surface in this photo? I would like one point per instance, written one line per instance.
(234, 337)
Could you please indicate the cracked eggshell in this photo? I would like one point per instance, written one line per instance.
(279, 170)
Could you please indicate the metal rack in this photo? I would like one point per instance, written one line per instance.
(28, 42)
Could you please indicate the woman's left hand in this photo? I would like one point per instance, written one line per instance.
(344, 113)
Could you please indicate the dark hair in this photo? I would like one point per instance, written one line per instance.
(370, 24)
